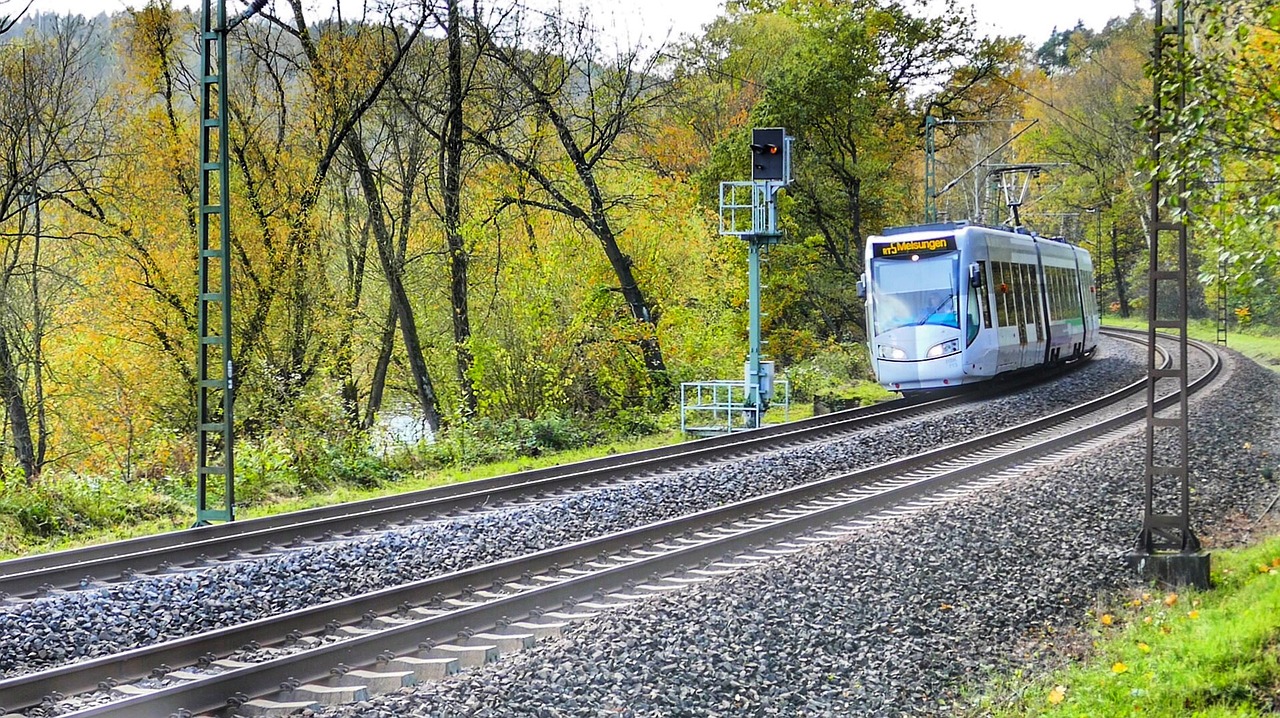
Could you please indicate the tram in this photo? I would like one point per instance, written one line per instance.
(955, 303)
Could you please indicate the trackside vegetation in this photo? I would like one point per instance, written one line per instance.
(1207, 654)
(278, 475)
(1258, 342)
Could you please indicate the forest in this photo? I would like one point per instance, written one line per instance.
(498, 225)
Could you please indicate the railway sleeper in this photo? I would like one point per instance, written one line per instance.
(434, 662)
(265, 707)
(327, 695)
(471, 656)
(505, 642)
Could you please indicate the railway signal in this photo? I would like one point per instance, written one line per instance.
(749, 211)
(770, 154)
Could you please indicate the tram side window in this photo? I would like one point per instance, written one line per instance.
(1029, 298)
(986, 316)
(1058, 294)
(1064, 290)
(1049, 294)
(1035, 301)
(1020, 302)
(1002, 294)
(973, 315)
(1077, 295)
(1010, 308)
(1055, 301)
(1020, 276)
(1069, 298)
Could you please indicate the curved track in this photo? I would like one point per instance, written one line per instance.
(93, 566)
(402, 636)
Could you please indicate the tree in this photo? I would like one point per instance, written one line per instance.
(1088, 120)
(7, 21)
(851, 85)
(565, 113)
(50, 134)
(439, 110)
(1229, 133)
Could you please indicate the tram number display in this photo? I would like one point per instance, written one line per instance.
(908, 247)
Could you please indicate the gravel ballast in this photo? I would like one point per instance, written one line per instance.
(66, 627)
(892, 620)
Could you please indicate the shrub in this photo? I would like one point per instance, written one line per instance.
(58, 506)
(629, 423)
(839, 371)
(266, 468)
(555, 433)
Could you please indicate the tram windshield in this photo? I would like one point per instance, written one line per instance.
(915, 291)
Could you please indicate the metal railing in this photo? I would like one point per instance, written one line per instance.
(711, 408)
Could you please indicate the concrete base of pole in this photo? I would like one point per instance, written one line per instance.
(1172, 570)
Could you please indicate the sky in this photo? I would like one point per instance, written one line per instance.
(658, 19)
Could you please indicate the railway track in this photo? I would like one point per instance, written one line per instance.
(96, 566)
(429, 627)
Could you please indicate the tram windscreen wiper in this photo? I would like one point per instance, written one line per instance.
(933, 311)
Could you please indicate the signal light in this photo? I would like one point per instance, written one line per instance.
(768, 158)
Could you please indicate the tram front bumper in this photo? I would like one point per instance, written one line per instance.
(921, 374)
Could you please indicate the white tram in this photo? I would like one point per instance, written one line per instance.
(954, 303)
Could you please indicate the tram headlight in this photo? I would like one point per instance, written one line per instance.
(951, 346)
(889, 351)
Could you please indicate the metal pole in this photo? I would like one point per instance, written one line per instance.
(215, 455)
(930, 195)
(753, 331)
(215, 370)
(1167, 549)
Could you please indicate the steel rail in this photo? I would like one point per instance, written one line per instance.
(84, 676)
(73, 569)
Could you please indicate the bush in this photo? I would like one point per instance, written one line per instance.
(482, 441)
(59, 506)
(279, 466)
(555, 433)
(630, 423)
(842, 370)
(266, 469)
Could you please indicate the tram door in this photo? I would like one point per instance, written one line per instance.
(1005, 307)
(1032, 328)
(1019, 314)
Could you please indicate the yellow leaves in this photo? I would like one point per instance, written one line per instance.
(1057, 695)
(1264, 568)
(945, 607)
(1193, 615)
(1171, 599)
(1119, 667)
(1144, 647)
(1107, 619)
(1148, 620)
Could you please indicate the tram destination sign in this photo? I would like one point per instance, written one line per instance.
(908, 247)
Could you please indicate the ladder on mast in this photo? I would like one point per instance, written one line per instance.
(214, 372)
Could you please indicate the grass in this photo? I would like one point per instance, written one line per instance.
(1177, 655)
(1261, 343)
(1191, 654)
(14, 543)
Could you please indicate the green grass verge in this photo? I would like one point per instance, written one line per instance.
(1259, 343)
(1176, 655)
(15, 542)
